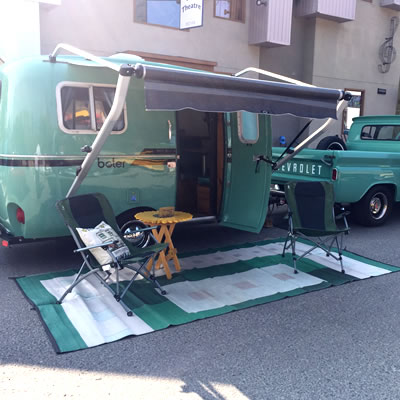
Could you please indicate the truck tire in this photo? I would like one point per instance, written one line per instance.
(331, 143)
(375, 207)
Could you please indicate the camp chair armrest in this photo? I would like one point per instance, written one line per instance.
(104, 245)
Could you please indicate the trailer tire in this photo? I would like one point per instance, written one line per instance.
(128, 224)
(375, 207)
(332, 143)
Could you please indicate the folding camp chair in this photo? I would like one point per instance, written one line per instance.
(312, 216)
(88, 211)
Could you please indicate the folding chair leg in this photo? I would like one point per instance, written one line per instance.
(149, 277)
(76, 282)
(154, 281)
(284, 246)
(340, 255)
(152, 276)
(129, 312)
(294, 256)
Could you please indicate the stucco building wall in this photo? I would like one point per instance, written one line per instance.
(341, 55)
(104, 27)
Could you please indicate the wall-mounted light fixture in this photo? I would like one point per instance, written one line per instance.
(261, 2)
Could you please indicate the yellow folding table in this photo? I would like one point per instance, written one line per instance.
(163, 234)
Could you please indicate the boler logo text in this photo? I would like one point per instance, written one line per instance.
(300, 168)
(110, 163)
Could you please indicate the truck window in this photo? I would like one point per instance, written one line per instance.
(381, 132)
(83, 108)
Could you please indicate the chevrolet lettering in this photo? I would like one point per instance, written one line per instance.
(301, 168)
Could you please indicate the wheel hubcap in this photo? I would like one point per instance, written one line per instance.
(378, 205)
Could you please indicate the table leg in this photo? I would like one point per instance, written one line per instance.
(162, 257)
(172, 250)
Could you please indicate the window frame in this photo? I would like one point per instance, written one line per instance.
(244, 5)
(89, 86)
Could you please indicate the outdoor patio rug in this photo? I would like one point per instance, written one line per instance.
(212, 282)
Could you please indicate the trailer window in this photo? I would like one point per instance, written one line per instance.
(76, 108)
(248, 127)
(84, 108)
(380, 132)
(103, 99)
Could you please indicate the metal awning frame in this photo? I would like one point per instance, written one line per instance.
(318, 132)
(125, 73)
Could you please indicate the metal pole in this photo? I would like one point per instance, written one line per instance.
(105, 131)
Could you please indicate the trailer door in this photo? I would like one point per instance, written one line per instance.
(246, 183)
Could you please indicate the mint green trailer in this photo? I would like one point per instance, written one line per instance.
(180, 138)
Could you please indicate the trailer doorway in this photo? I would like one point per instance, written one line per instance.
(200, 166)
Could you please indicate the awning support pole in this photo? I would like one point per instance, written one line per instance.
(105, 131)
(310, 138)
(125, 71)
(83, 54)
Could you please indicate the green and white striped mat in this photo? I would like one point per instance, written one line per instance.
(211, 283)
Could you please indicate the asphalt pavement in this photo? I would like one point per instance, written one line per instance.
(338, 343)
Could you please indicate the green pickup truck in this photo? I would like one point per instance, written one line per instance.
(365, 170)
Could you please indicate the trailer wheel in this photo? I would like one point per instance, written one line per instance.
(375, 207)
(332, 143)
(129, 225)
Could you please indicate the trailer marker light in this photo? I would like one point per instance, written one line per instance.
(20, 215)
(334, 174)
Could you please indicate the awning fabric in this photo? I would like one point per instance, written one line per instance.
(176, 89)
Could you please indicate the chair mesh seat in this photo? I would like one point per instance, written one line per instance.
(312, 215)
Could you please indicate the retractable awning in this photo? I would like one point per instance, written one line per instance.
(177, 89)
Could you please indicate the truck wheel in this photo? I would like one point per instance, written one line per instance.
(331, 143)
(375, 207)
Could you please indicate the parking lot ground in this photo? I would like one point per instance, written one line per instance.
(338, 343)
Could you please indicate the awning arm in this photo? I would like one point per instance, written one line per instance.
(84, 54)
(273, 75)
(105, 131)
(341, 105)
(125, 73)
(318, 132)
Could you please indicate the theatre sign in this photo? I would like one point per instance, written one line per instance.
(191, 14)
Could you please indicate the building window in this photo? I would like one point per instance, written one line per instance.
(230, 9)
(158, 12)
(83, 108)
